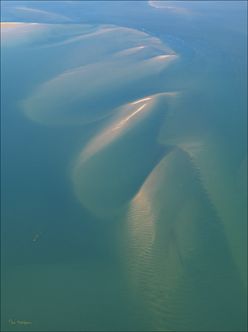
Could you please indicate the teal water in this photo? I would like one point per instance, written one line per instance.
(124, 166)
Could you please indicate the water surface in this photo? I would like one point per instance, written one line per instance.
(124, 165)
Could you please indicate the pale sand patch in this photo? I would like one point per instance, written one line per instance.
(128, 57)
(8, 24)
(17, 33)
(166, 57)
(169, 6)
(14, 24)
(126, 117)
(128, 114)
(17, 25)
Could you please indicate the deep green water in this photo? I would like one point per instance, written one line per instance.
(120, 214)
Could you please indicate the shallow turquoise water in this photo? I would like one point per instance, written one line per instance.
(136, 220)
